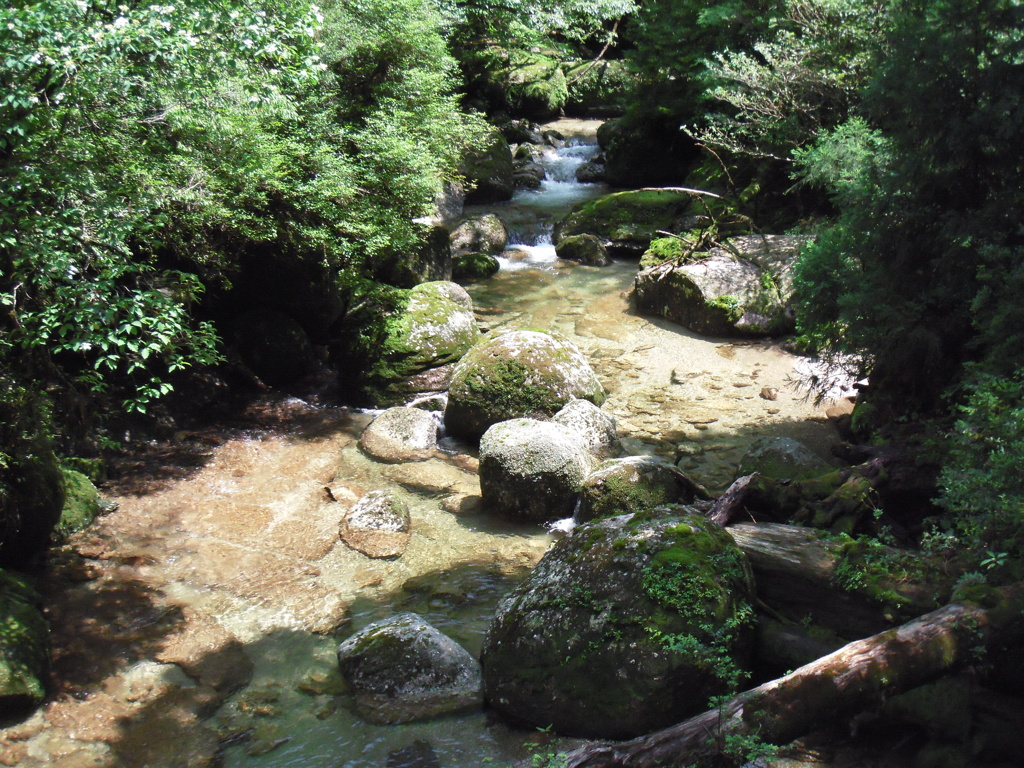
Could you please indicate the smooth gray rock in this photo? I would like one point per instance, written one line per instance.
(402, 670)
(532, 470)
(593, 426)
(400, 434)
(378, 525)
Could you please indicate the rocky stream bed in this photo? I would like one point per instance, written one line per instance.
(197, 624)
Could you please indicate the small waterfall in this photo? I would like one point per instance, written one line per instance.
(533, 213)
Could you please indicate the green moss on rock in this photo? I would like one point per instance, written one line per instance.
(24, 646)
(81, 502)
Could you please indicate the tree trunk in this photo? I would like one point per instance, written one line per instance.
(802, 576)
(857, 677)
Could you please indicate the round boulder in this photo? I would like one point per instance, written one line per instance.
(474, 266)
(480, 234)
(782, 458)
(532, 470)
(402, 670)
(593, 426)
(378, 525)
(517, 374)
(586, 249)
(627, 625)
(634, 484)
(400, 434)
(436, 329)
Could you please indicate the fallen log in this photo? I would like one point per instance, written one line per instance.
(854, 588)
(832, 689)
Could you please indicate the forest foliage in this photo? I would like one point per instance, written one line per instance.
(148, 150)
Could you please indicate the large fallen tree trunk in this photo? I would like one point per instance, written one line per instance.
(853, 588)
(857, 677)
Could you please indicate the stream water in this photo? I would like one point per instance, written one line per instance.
(231, 562)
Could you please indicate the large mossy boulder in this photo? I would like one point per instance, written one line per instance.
(626, 625)
(537, 87)
(24, 647)
(436, 329)
(31, 484)
(741, 289)
(467, 267)
(402, 670)
(480, 234)
(517, 374)
(532, 470)
(626, 222)
(488, 170)
(634, 484)
(81, 502)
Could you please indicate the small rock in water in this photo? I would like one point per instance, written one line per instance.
(378, 525)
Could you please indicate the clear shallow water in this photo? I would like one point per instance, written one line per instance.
(311, 729)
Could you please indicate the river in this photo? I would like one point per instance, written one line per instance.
(197, 624)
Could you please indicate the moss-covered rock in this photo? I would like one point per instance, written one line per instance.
(31, 491)
(532, 470)
(741, 289)
(586, 249)
(24, 646)
(627, 625)
(480, 234)
(517, 374)
(81, 502)
(474, 266)
(537, 87)
(634, 484)
(402, 670)
(488, 170)
(436, 329)
(598, 90)
(626, 222)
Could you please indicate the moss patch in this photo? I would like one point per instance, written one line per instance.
(81, 502)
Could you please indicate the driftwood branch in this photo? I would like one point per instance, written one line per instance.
(855, 678)
(608, 44)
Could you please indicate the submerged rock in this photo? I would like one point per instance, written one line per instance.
(532, 470)
(517, 374)
(621, 628)
(743, 289)
(24, 646)
(402, 670)
(400, 434)
(783, 458)
(634, 484)
(378, 525)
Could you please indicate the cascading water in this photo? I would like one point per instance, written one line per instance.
(531, 215)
